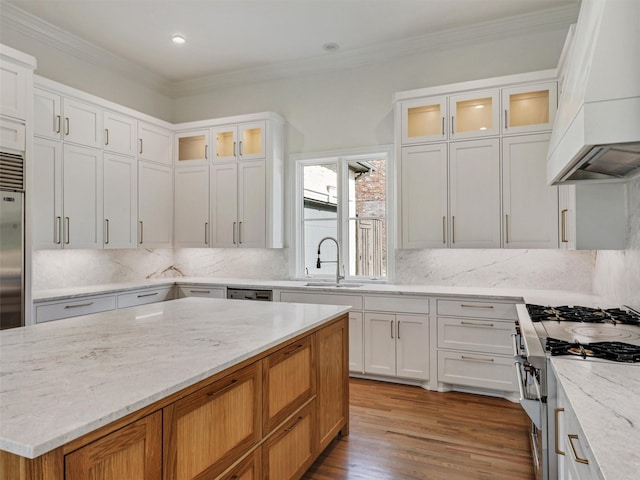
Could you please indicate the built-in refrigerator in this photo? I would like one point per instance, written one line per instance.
(11, 241)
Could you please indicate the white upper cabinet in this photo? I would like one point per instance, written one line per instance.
(424, 120)
(252, 205)
(155, 205)
(82, 123)
(475, 193)
(120, 134)
(474, 114)
(224, 205)
(225, 141)
(46, 194)
(47, 108)
(191, 226)
(424, 193)
(154, 143)
(530, 206)
(251, 140)
(529, 108)
(192, 148)
(120, 201)
(13, 90)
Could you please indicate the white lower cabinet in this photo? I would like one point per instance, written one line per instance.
(155, 205)
(476, 370)
(59, 309)
(396, 345)
(356, 341)
(204, 291)
(145, 296)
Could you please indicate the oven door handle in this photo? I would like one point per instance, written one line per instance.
(533, 408)
(514, 344)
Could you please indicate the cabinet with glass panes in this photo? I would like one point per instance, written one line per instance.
(529, 108)
(192, 148)
(245, 141)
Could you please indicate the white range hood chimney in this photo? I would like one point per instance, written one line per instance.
(597, 128)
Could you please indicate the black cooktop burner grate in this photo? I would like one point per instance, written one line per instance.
(616, 351)
(539, 313)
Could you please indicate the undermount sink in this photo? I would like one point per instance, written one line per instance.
(333, 284)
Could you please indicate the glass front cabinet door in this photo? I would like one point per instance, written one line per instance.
(251, 145)
(529, 108)
(474, 114)
(225, 139)
(424, 120)
(192, 148)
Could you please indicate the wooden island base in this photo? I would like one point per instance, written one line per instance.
(268, 417)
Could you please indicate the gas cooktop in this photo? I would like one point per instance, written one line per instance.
(594, 333)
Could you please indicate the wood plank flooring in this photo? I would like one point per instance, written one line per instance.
(399, 432)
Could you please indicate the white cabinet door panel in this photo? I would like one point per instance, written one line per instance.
(379, 344)
(252, 205)
(13, 90)
(356, 339)
(423, 192)
(412, 346)
(120, 201)
(224, 201)
(120, 134)
(475, 194)
(251, 140)
(155, 205)
(82, 123)
(46, 194)
(154, 143)
(47, 109)
(191, 206)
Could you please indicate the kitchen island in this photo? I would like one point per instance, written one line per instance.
(136, 389)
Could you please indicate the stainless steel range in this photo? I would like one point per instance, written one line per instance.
(581, 333)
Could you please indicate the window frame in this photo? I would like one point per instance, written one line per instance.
(342, 158)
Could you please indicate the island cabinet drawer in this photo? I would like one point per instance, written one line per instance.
(73, 308)
(289, 381)
(353, 301)
(132, 452)
(250, 468)
(476, 335)
(142, 297)
(204, 291)
(207, 431)
(290, 451)
(396, 303)
(477, 370)
(479, 309)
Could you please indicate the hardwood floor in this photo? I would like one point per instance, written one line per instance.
(402, 433)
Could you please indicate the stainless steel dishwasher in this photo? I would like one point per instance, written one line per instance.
(250, 294)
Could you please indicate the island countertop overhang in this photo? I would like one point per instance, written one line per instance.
(65, 379)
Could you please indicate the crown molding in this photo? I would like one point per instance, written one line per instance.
(18, 20)
(550, 19)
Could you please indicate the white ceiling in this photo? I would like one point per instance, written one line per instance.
(231, 36)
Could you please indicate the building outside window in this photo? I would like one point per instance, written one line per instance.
(344, 197)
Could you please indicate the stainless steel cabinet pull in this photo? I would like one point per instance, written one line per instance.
(57, 229)
(77, 305)
(239, 233)
(506, 229)
(444, 229)
(68, 127)
(573, 437)
(58, 122)
(563, 219)
(240, 147)
(199, 291)
(391, 325)
(106, 221)
(223, 389)
(293, 425)
(398, 330)
(206, 233)
(506, 124)
(234, 233)
(476, 359)
(140, 145)
(142, 295)
(464, 305)
(68, 221)
(453, 229)
(141, 232)
(514, 344)
(234, 149)
(452, 122)
(206, 152)
(442, 125)
(106, 136)
(477, 324)
(556, 412)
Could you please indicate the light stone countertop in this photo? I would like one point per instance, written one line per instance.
(63, 379)
(546, 297)
(606, 398)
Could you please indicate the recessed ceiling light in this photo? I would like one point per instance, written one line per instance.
(178, 40)
(331, 47)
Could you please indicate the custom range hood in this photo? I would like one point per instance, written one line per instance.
(597, 127)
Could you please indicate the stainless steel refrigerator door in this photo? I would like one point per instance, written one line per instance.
(11, 259)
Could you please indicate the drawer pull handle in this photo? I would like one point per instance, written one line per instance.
(199, 291)
(77, 305)
(294, 424)
(223, 389)
(66, 121)
(573, 437)
(294, 349)
(464, 305)
(563, 228)
(477, 324)
(147, 294)
(476, 359)
(556, 412)
(106, 136)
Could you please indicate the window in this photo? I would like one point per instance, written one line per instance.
(344, 197)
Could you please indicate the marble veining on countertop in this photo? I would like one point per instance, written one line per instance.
(605, 398)
(546, 297)
(63, 379)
